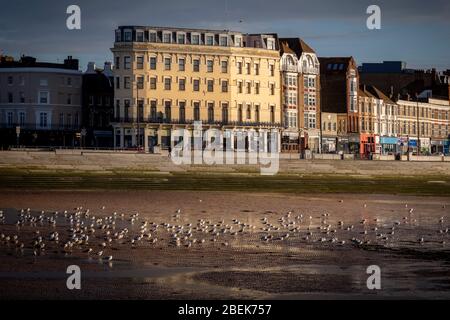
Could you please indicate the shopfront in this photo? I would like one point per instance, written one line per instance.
(437, 146)
(367, 145)
(329, 144)
(389, 145)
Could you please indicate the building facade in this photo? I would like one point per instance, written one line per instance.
(300, 77)
(98, 106)
(40, 103)
(339, 91)
(423, 126)
(167, 78)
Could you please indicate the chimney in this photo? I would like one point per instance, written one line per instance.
(90, 67)
(107, 70)
(70, 63)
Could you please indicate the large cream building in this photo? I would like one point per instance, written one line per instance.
(167, 78)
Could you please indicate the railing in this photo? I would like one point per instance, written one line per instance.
(204, 122)
(34, 126)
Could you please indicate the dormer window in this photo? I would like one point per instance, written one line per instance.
(167, 37)
(271, 43)
(118, 36)
(140, 36)
(152, 36)
(128, 35)
(195, 38)
(181, 38)
(237, 41)
(223, 41)
(209, 40)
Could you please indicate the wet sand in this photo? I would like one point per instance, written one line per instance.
(247, 267)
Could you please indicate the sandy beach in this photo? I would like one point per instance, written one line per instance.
(335, 238)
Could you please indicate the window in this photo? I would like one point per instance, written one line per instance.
(21, 97)
(69, 99)
(43, 121)
(210, 112)
(257, 113)
(247, 67)
(224, 65)
(311, 82)
(272, 114)
(196, 65)
(152, 63)
(21, 118)
(140, 62)
(21, 80)
(182, 115)
(126, 103)
(224, 86)
(272, 70)
(10, 80)
(249, 112)
(43, 97)
(167, 63)
(210, 85)
(117, 82)
(182, 84)
(181, 38)
(91, 100)
(196, 85)
(238, 41)
(140, 82)
(117, 66)
(239, 67)
(195, 39)
(209, 40)
(256, 87)
(118, 36)
(126, 62)
(210, 65)
(167, 37)
(153, 110)
(248, 86)
(272, 89)
(225, 112)
(271, 44)
(152, 36)
(257, 69)
(240, 87)
(127, 35)
(69, 81)
(223, 41)
(167, 83)
(196, 111)
(126, 82)
(153, 83)
(43, 82)
(181, 64)
(140, 36)
(167, 110)
(240, 112)
(140, 110)
(10, 97)
(10, 118)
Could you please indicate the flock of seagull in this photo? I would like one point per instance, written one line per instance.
(96, 235)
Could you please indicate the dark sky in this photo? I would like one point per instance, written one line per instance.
(415, 31)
